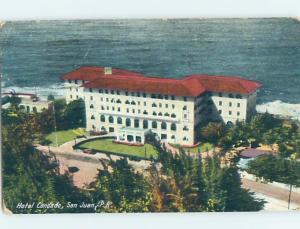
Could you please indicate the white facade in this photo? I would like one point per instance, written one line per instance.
(172, 118)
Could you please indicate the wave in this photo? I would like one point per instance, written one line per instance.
(56, 90)
(278, 107)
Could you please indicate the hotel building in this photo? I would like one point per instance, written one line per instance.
(129, 104)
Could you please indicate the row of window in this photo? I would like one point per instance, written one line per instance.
(173, 115)
(230, 113)
(137, 94)
(238, 96)
(127, 102)
(137, 123)
(230, 104)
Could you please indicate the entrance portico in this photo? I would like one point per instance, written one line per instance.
(131, 135)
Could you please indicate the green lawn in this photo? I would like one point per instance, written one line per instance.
(65, 135)
(203, 147)
(110, 146)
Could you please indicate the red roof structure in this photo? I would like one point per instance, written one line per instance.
(193, 85)
(252, 153)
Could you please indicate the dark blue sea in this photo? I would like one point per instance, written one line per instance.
(36, 53)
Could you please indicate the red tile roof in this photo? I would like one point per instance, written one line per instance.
(193, 85)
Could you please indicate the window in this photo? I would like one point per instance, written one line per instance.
(91, 90)
(126, 92)
(173, 126)
(102, 107)
(107, 108)
(133, 110)
(138, 94)
(118, 101)
(76, 89)
(173, 115)
(230, 95)
(163, 136)
(167, 114)
(185, 128)
(185, 139)
(100, 91)
(92, 117)
(145, 103)
(70, 89)
(119, 109)
(118, 92)
(154, 124)
(166, 105)
(75, 81)
(139, 111)
(145, 124)
(107, 99)
(154, 113)
(128, 122)
(136, 123)
(111, 119)
(71, 96)
(172, 97)
(119, 120)
(220, 94)
(230, 112)
(70, 81)
(127, 110)
(220, 103)
(91, 97)
(127, 102)
(230, 104)
(164, 125)
(154, 105)
(112, 100)
(238, 105)
(160, 105)
(144, 95)
(220, 111)
(132, 94)
(173, 137)
(238, 113)
(101, 99)
(184, 108)
(83, 81)
(166, 97)
(139, 103)
(102, 118)
(159, 114)
(133, 103)
(113, 108)
(238, 96)
(112, 92)
(91, 106)
(77, 97)
(173, 106)
(185, 116)
(184, 98)
(153, 96)
(34, 109)
(145, 112)
(160, 97)
(106, 91)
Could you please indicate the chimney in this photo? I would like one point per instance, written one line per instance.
(107, 70)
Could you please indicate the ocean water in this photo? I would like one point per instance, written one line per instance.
(34, 54)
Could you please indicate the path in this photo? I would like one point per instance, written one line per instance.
(88, 164)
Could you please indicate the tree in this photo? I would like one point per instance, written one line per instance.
(272, 168)
(30, 176)
(213, 132)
